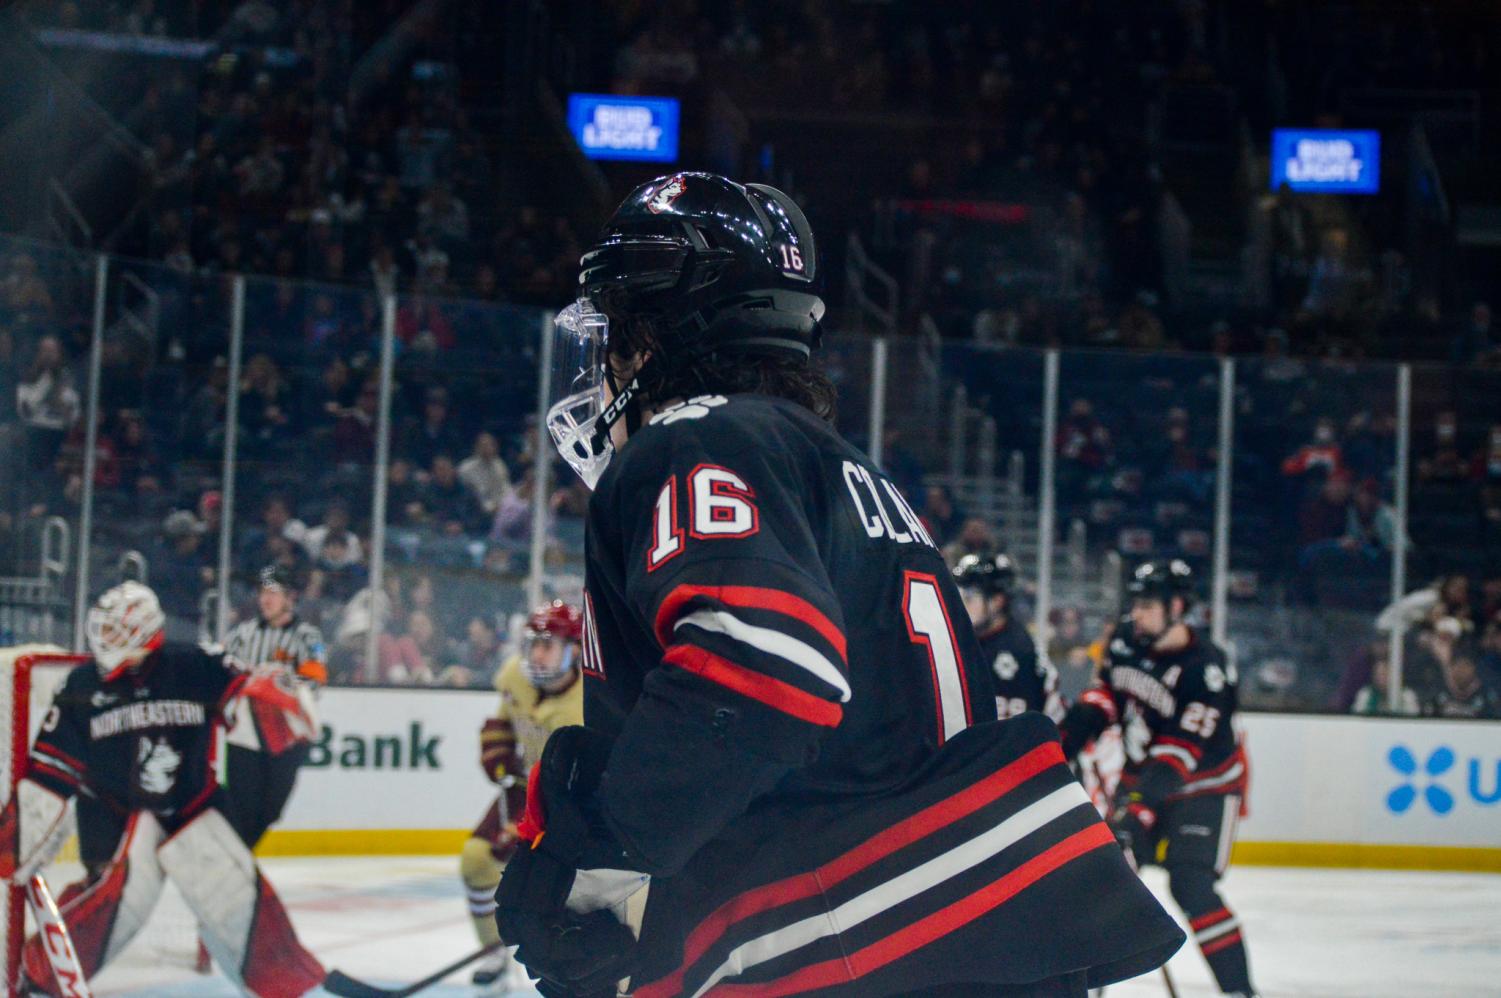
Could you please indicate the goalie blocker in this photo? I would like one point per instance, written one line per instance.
(135, 730)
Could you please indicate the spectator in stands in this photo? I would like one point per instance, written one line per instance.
(941, 515)
(422, 325)
(1085, 448)
(511, 528)
(1464, 693)
(1369, 443)
(25, 295)
(1447, 597)
(478, 656)
(975, 537)
(182, 570)
(47, 403)
(1178, 467)
(142, 471)
(443, 217)
(1490, 651)
(1320, 456)
(434, 433)
(203, 420)
(278, 523)
(1443, 463)
(1325, 514)
(449, 506)
(403, 495)
(409, 658)
(1068, 648)
(1357, 673)
(485, 474)
(265, 410)
(331, 544)
(1370, 524)
(354, 433)
(1476, 343)
(1373, 698)
(1485, 466)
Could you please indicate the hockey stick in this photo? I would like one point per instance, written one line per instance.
(340, 983)
(1167, 979)
(56, 943)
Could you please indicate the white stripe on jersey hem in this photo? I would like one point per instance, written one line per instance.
(1181, 754)
(1228, 776)
(898, 890)
(772, 642)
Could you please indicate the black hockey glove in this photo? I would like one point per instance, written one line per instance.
(577, 954)
(1132, 822)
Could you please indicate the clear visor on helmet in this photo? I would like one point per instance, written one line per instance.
(580, 340)
(547, 661)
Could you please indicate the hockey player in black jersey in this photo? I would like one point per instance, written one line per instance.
(1173, 693)
(134, 729)
(788, 723)
(1024, 678)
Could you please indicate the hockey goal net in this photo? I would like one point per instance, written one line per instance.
(29, 678)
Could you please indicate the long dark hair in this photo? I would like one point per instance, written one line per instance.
(722, 372)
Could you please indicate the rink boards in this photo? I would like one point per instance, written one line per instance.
(397, 772)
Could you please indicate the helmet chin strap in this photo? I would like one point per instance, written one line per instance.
(626, 403)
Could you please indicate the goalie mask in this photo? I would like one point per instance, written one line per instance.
(710, 267)
(124, 626)
(553, 636)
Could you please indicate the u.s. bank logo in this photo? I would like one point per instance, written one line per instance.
(1430, 781)
(1439, 762)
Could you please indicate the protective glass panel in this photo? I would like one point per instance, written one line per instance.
(46, 318)
(1311, 531)
(460, 488)
(158, 499)
(1135, 455)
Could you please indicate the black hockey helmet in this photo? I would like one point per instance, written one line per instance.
(1162, 578)
(991, 574)
(714, 264)
(709, 266)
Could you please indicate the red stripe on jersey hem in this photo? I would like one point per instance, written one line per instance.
(927, 930)
(47, 748)
(1224, 942)
(1205, 921)
(919, 826)
(1196, 751)
(231, 691)
(757, 685)
(751, 598)
(53, 773)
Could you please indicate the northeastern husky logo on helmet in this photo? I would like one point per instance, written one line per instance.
(666, 194)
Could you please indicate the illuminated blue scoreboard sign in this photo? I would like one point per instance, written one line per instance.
(634, 128)
(1323, 161)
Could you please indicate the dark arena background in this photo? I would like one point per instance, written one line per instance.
(1202, 280)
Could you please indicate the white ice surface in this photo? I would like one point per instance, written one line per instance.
(1312, 933)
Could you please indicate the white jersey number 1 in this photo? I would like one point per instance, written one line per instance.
(928, 624)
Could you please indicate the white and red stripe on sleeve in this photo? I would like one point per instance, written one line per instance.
(767, 644)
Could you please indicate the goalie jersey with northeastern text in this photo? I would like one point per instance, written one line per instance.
(141, 741)
(807, 758)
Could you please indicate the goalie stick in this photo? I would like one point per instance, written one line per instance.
(340, 983)
(56, 943)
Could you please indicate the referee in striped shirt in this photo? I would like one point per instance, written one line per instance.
(267, 745)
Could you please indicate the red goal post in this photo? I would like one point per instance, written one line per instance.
(29, 676)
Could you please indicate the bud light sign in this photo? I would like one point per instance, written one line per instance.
(630, 128)
(1322, 161)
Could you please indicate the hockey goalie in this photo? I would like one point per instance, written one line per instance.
(134, 729)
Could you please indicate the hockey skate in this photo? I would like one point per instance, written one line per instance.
(491, 973)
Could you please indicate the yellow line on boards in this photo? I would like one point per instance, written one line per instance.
(448, 841)
(1367, 855)
(363, 842)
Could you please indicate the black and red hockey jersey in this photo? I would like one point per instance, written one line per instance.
(141, 741)
(1176, 713)
(806, 754)
(1024, 677)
